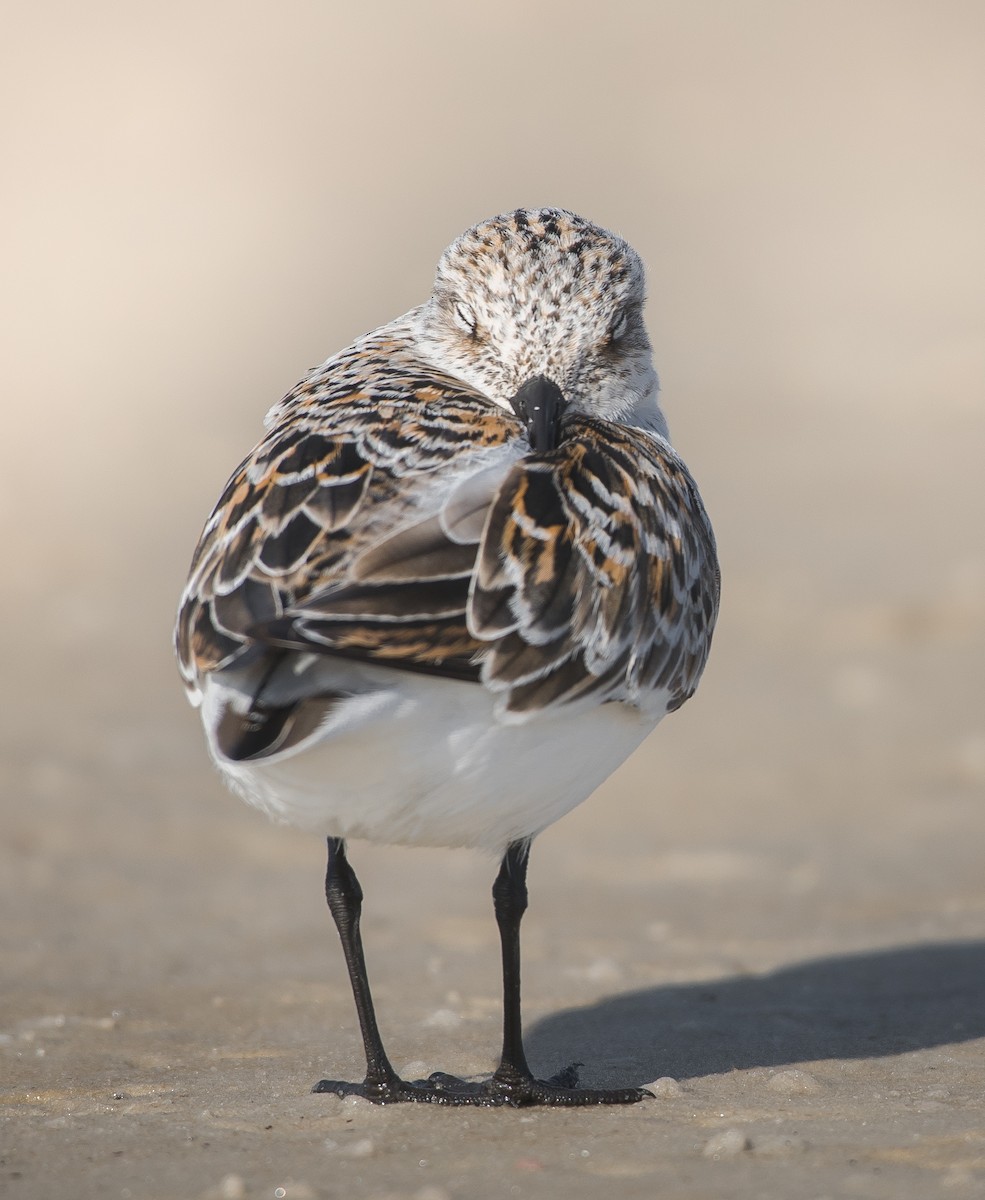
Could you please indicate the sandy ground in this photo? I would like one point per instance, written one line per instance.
(777, 908)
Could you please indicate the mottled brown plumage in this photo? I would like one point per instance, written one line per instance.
(585, 571)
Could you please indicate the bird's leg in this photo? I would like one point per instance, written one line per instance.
(345, 896)
(513, 1082)
(382, 1084)
(510, 903)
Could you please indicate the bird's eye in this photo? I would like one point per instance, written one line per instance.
(617, 330)
(465, 318)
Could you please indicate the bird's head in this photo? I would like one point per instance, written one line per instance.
(541, 307)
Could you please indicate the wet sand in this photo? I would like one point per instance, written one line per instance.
(776, 909)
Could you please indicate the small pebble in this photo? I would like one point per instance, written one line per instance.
(361, 1149)
(443, 1018)
(232, 1187)
(793, 1083)
(604, 970)
(665, 1086)
(726, 1144)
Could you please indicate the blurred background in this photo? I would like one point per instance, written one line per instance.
(200, 201)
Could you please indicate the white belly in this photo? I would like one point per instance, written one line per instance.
(422, 761)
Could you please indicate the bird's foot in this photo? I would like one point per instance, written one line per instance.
(521, 1090)
(437, 1089)
(507, 1087)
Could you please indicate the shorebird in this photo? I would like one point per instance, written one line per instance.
(454, 586)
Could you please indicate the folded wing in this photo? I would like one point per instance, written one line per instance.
(597, 576)
(352, 528)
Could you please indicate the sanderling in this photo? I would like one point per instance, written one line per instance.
(455, 585)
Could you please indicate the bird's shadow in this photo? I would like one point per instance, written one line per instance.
(866, 1005)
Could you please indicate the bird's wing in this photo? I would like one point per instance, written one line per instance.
(302, 550)
(597, 576)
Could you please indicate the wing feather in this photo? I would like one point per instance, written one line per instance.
(331, 536)
(597, 576)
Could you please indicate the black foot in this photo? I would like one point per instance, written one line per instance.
(394, 1091)
(560, 1091)
(518, 1091)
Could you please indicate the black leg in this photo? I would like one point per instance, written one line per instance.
(509, 904)
(514, 1082)
(382, 1084)
(345, 898)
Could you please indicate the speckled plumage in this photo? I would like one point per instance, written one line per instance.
(394, 571)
